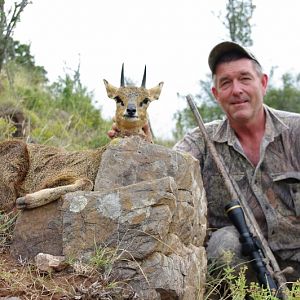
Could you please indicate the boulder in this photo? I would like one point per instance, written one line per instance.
(38, 230)
(148, 206)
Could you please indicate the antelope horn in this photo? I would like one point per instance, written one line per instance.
(122, 84)
(144, 79)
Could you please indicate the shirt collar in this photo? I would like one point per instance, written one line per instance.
(274, 127)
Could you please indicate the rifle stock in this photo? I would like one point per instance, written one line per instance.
(235, 193)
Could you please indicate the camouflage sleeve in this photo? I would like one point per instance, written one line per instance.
(191, 143)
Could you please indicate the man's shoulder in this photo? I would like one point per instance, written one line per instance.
(290, 119)
(285, 115)
(193, 141)
(210, 127)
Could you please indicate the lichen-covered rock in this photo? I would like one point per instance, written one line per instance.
(136, 218)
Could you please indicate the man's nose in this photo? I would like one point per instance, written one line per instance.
(236, 87)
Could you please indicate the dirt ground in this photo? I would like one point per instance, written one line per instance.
(23, 280)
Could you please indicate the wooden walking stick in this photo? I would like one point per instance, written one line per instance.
(235, 194)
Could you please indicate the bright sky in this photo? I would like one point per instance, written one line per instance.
(172, 37)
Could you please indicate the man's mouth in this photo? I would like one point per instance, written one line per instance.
(241, 101)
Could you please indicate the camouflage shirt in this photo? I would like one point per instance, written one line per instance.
(272, 188)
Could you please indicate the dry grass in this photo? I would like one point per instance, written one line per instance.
(90, 280)
(79, 281)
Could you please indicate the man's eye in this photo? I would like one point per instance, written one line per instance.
(119, 100)
(245, 78)
(145, 101)
(224, 83)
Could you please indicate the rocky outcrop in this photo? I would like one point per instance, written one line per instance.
(149, 206)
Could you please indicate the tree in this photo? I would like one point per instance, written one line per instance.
(285, 97)
(206, 105)
(8, 22)
(237, 21)
(20, 54)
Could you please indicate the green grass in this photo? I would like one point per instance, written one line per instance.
(225, 283)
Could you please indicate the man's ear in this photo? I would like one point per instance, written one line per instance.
(215, 92)
(264, 82)
(110, 89)
(155, 92)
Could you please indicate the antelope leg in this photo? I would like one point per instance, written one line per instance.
(48, 195)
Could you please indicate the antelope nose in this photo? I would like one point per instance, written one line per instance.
(131, 110)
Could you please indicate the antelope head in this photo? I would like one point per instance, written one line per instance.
(131, 104)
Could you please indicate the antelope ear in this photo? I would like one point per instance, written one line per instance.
(110, 89)
(155, 92)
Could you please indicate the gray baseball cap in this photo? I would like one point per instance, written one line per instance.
(224, 47)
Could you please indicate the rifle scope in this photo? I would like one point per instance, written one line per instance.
(250, 246)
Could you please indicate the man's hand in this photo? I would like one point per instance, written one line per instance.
(113, 132)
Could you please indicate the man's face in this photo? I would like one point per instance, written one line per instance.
(239, 89)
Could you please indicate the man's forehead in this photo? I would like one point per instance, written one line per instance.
(238, 66)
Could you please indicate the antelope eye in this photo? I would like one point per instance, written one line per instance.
(119, 100)
(145, 101)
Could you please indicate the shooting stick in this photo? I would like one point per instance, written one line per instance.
(235, 193)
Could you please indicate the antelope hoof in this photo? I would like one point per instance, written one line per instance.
(21, 203)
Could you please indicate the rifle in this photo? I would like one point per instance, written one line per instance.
(242, 217)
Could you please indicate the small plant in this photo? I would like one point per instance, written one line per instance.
(103, 258)
(7, 222)
(224, 282)
(7, 129)
(294, 291)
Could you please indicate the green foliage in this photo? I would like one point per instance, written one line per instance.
(21, 55)
(207, 106)
(185, 119)
(287, 96)
(225, 282)
(103, 258)
(61, 114)
(294, 291)
(7, 129)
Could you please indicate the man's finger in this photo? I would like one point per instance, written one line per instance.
(111, 133)
(114, 127)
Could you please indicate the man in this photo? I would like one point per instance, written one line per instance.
(260, 147)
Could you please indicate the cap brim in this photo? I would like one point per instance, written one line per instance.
(224, 47)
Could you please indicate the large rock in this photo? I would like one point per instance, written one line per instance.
(131, 160)
(38, 230)
(149, 206)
